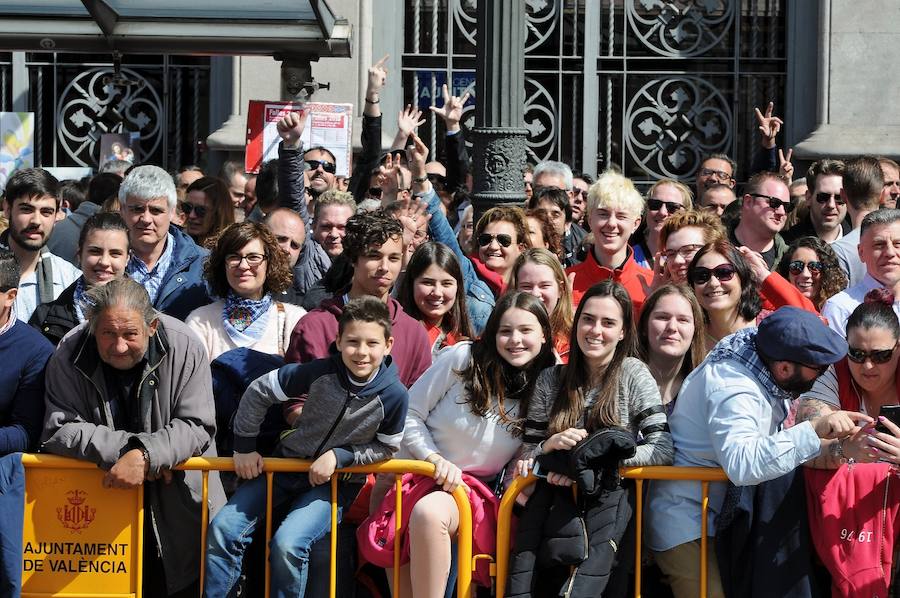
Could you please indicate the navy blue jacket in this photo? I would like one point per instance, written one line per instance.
(12, 504)
(183, 289)
(24, 353)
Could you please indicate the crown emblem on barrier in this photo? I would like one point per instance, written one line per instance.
(76, 515)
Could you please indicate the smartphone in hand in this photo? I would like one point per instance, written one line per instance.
(892, 412)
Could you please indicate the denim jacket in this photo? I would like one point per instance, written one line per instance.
(479, 298)
(729, 414)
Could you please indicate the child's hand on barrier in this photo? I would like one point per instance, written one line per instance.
(248, 465)
(322, 468)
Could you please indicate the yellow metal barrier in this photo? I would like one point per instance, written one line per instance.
(395, 467)
(702, 475)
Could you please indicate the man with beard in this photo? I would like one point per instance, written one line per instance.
(764, 210)
(31, 207)
(731, 413)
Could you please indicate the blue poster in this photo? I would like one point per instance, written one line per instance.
(461, 83)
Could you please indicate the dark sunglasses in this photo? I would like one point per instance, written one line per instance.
(485, 239)
(824, 198)
(877, 357)
(655, 204)
(796, 267)
(187, 208)
(375, 192)
(329, 167)
(775, 202)
(723, 273)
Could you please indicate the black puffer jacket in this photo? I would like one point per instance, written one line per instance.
(555, 530)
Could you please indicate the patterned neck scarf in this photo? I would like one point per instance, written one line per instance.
(245, 319)
(78, 298)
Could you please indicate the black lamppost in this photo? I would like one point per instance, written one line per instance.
(499, 135)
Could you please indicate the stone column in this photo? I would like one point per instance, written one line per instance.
(499, 135)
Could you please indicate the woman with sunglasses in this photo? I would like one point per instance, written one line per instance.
(665, 198)
(102, 254)
(681, 236)
(735, 289)
(433, 292)
(670, 338)
(207, 209)
(866, 381)
(246, 267)
(811, 265)
(538, 272)
(465, 416)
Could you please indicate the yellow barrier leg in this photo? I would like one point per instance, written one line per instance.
(464, 544)
(204, 526)
(638, 535)
(332, 581)
(398, 541)
(269, 479)
(704, 505)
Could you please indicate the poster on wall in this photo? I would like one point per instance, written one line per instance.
(16, 143)
(328, 125)
(119, 146)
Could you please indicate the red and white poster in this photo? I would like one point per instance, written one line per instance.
(328, 125)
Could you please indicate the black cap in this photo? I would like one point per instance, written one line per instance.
(794, 334)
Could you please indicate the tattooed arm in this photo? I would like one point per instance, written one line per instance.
(828, 457)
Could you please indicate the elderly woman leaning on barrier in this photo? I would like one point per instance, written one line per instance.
(130, 390)
(853, 514)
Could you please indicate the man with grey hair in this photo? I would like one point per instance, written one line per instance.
(879, 250)
(164, 259)
(558, 175)
(131, 390)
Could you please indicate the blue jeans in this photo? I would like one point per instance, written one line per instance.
(309, 520)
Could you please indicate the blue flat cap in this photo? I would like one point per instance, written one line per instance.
(794, 334)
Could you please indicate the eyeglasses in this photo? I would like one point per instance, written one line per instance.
(701, 275)
(187, 208)
(775, 202)
(797, 266)
(819, 369)
(375, 192)
(878, 357)
(328, 167)
(655, 204)
(824, 198)
(485, 239)
(685, 251)
(233, 260)
(721, 175)
(281, 240)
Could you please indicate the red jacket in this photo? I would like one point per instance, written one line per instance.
(853, 515)
(777, 292)
(634, 278)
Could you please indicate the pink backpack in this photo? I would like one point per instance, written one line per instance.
(376, 535)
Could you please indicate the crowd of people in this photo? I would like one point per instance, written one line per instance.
(149, 317)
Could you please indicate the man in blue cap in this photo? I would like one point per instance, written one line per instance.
(730, 414)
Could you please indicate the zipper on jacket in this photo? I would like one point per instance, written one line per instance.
(334, 425)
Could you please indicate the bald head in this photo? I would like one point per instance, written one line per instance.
(289, 231)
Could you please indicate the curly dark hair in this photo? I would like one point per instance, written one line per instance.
(833, 278)
(370, 228)
(552, 238)
(279, 275)
(750, 303)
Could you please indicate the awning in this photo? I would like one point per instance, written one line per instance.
(208, 27)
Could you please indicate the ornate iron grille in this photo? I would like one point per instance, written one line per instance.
(648, 86)
(76, 99)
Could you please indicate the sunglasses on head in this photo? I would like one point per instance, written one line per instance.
(775, 202)
(824, 198)
(797, 266)
(656, 204)
(723, 273)
(187, 208)
(485, 239)
(877, 357)
(329, 167)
